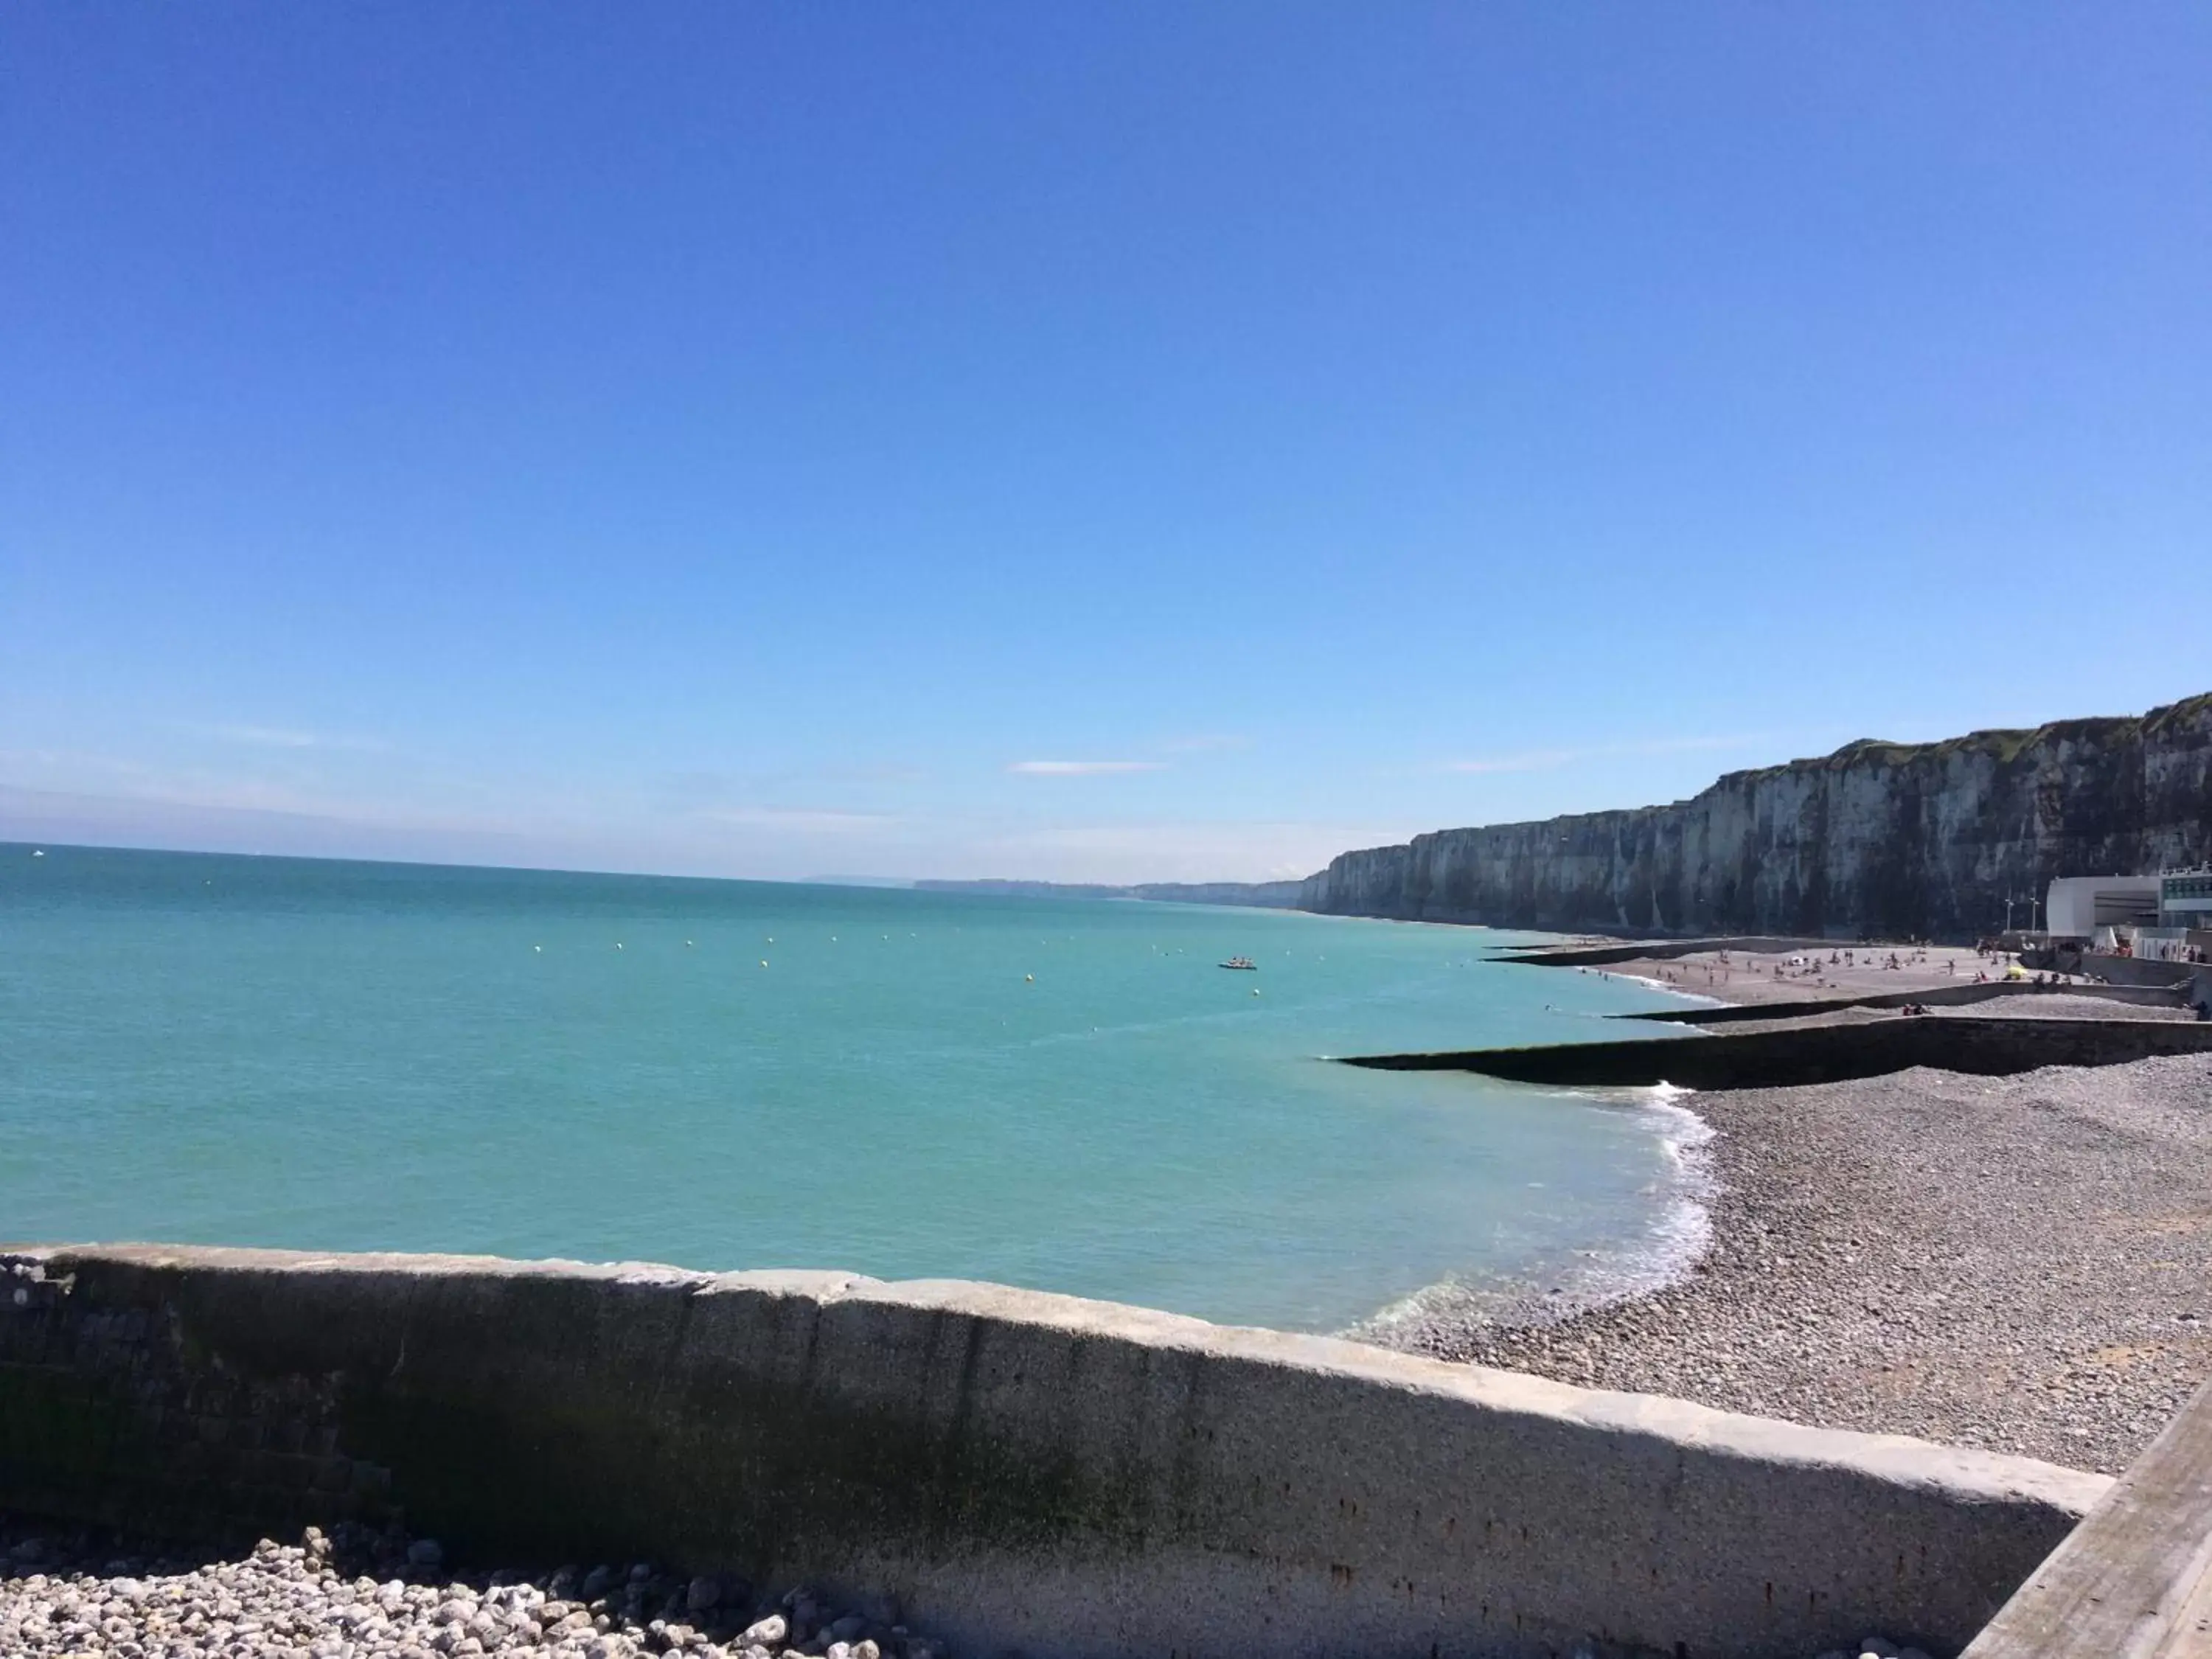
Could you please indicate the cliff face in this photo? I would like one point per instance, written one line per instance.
(1883, 839)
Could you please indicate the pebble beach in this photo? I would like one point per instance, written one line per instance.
(2021, 1264)
(352, 1594)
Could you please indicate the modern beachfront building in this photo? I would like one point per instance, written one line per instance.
(2165, 917)
(2078, 905)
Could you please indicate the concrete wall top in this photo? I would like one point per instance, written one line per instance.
(1020, 1468)
(1971, 1472)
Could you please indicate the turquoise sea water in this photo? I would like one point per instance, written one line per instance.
(1069, 1095)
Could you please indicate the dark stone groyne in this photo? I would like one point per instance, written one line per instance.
(1819, 1054)
(1017, 1469)
(1878, 840)
(1602, 956)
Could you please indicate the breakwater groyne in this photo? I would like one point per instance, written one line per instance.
(1603, 955)
(1819, 1054)
(1018, 1469)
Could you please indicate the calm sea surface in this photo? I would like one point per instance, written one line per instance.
(355, 1057)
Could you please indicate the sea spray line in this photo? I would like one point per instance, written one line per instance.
(1680, 1234)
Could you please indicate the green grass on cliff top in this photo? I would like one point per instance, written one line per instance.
(2004, 745)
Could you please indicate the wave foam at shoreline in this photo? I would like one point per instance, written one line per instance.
(1680, 1234)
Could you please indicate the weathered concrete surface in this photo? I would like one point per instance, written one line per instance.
(1819, 1054)
(1877, 840)
(2128, 970)
(1019, 1468)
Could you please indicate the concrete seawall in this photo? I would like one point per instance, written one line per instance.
(1020, 1469)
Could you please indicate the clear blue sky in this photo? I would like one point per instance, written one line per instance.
(1084, 441)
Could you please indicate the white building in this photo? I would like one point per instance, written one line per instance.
(2079, 905)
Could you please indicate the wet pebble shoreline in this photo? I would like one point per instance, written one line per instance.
(2019, 1264)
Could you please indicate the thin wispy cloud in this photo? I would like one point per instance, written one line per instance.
(1549, 760)
(1082, 769)
(710, 783)
(202, 789)
(817, 820)
(285, 737)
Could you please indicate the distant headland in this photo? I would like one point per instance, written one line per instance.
(1267, 895)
